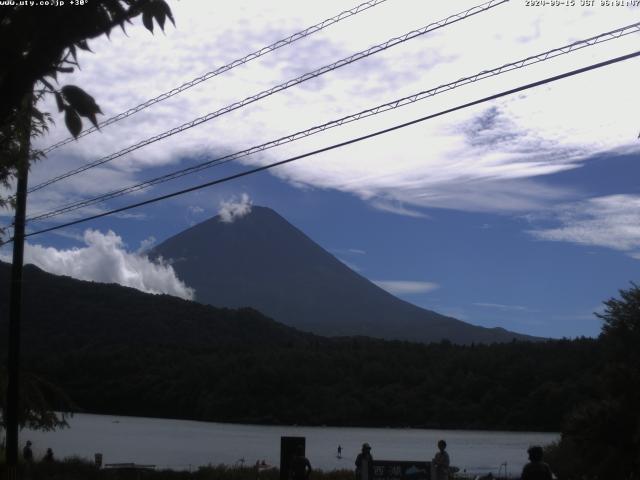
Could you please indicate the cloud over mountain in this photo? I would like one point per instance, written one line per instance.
(233, 209)
(105, 259)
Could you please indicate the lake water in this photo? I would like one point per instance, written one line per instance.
(181, 444)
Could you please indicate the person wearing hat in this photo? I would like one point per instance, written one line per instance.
(364, 463)
(27, 453)
(536, 469)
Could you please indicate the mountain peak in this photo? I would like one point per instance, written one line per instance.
(260, 260)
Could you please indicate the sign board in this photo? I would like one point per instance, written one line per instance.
(401, 470)
(288, 448)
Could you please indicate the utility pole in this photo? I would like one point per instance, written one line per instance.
(15, 301)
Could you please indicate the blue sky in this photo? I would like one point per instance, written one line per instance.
(521, 213)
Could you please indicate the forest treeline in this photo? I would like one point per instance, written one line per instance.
(365, 382)
(115, 350)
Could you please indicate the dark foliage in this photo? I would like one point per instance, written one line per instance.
(38, 43)
(601, 437)
(117, 350)
(42, 406)
(352, 382)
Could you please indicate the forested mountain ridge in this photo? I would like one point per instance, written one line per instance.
(61, 313)
(117, 350)
(262, 261)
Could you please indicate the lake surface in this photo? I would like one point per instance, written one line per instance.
(181, 444)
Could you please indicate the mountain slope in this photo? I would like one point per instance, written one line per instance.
(262, 261)
(64, 314)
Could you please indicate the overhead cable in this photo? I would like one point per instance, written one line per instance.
(603, 37)
(283, 86)
(241, 61)
(339, 145)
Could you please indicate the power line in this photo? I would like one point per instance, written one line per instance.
(283, 86)
(603, 37)
(241, 61)
(341, 144)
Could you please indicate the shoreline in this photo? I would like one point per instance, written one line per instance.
(176, 444)
(312, 425)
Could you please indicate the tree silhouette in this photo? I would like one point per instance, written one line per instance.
(43, 405)
(38, 43)
(601, 439)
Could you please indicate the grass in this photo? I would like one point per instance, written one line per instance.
(80, 469)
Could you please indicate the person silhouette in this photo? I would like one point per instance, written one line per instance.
(339, 451)
(300, 467)
(441, 462)
(27, 453)
(48, 457)
(536, 469)
(364, 463)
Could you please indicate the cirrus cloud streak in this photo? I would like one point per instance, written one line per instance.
(611, 221)
(406, 287)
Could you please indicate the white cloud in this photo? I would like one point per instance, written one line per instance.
(69, 234)
(351, 265)
(406, 287)
(146, 244)
(611, 221)
(104, 259)
(348, 251)
(500, 306)
(397, 207)
(195, 210)
(485, 158)
(233, 209)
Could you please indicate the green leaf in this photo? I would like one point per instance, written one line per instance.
(74, 124)
(147, 20)
(160, 18)
(167, 11)
(53, 74)
(37, 114)
(59, 101)
(84, 45)
(159, 10)
(46, 83)
(80, 100)
(93, 119)
(116, 11)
